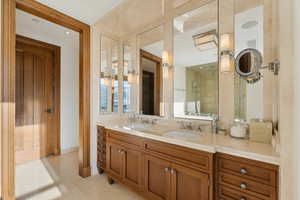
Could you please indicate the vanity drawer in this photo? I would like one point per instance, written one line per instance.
(189, 157)
(226, 193)
(247, 186)
(123, 138)
(249, 169)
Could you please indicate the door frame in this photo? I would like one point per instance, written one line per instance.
(7, 76)
(56, 52)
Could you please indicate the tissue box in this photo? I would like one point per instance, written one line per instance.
(261, 131)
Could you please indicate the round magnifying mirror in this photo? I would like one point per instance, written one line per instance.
(248, 63)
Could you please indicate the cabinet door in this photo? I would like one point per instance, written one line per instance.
(132, 168)
(114, 160)
(189, 184)
(157, 178)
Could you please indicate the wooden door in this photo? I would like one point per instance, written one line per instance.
(114, 160)
(157, 178)
(34, 92)
(148, 93)
(189, 184)
(132, 168)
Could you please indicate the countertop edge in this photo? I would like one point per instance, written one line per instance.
(275, 160)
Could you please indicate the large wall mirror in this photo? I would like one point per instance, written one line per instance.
(196, 71)
(128, 76)
(109, 75)
(249, 33)
(150, 71)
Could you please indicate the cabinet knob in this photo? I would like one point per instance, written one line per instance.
(173, 171)
(243, 186)
(243, 171)
(243, 198)
(167, 169)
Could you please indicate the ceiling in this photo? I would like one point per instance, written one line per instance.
(29, 25)
(88, 11)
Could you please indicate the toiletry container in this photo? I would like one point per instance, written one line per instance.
(239, 129)
(260, 131)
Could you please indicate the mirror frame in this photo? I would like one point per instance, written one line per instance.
(254, 67)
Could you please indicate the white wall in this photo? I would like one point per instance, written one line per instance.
(288, 123)
(54, 34)
(297, 87)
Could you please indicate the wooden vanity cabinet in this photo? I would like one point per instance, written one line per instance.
(243, 179)
(157, 184)
(124, 160)
(132, 168)
(162, 171)
(159, 171)
(114, 160)
(101, 149)
(124, 164)
(169, 181)
(188, 183)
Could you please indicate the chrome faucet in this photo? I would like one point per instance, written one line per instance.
(189, 126)
(133, 117)
(186, 125)
(214, 124)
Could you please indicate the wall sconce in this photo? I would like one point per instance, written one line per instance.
(107, 80)
(113, 81)
(131, 76)
(165, 59)
(227, 55)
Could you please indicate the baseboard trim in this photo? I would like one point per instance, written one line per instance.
(85, 172)
(69, 150)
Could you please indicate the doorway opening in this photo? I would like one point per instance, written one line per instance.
(8, 80)
(151, 68)
(47, 100)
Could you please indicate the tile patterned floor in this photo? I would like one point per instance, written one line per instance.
(56, 178)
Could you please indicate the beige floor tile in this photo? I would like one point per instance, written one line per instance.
(56, 178)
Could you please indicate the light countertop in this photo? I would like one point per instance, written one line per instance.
(210, 143)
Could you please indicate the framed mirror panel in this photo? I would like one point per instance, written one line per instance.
(109, 75)
(249, 33)
(196, 63)
(150, 71)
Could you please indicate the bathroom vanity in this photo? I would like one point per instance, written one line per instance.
(161, 166)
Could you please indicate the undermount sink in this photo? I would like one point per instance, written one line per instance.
(147, 128)
(138, 126)
(182, 134)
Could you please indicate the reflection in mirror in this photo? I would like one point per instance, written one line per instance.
(245, 64)
(249, 22)
(196, 68)
(128, 76)
(109, 75)
(151, 50)
(248, 65)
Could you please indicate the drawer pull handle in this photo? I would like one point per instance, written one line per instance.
(167, 169)
(243, 186)
(243, 171)
(243, 198)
